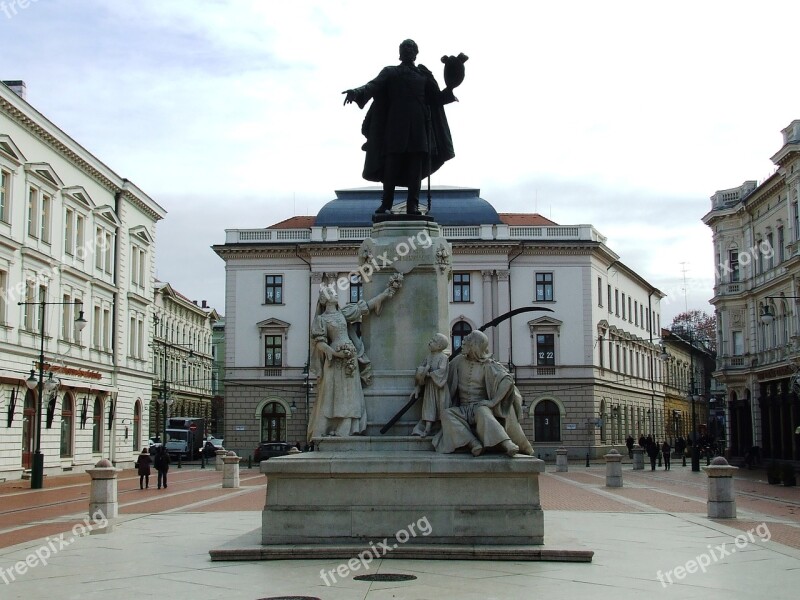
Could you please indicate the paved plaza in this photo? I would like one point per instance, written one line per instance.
(650, 538)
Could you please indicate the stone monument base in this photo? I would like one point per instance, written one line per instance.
(419, 504)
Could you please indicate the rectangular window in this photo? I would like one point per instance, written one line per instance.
(109, 248)
(544, 287)
(80, 251)
(545, 349)
(142, 268)
(33, 212)
(69, 232)
(45, 219)
(609, 299)
(3, 292)
(107, 329)
(600, 292)
(781, 245)
(29, 306)
(66, 318)
(641, 315)
(461, 287)
(796, 211)
(42, 298)
(98, 251)
(738, 343)
(5, 195)
(273, 351)
(97, 327)
(274, 289)
(623, 305)
(616, 301)
(132, 337)
(356, 288)
(636, 312)
(630, 315)
(771, 257)
(733, 259)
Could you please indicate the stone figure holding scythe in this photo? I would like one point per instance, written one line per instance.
(408, 137)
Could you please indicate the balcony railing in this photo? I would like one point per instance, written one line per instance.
(459, 232)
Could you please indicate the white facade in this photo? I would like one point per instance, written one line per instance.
(590, 359)
(756, 232)
(71, 230)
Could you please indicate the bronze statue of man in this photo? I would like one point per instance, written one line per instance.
(406, 129)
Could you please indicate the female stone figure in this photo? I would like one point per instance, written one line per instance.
(341, 365)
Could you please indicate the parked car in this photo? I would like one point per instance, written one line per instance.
(214, 440)
(267, 450)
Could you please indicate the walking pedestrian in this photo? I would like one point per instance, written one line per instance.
(143, 463)
(665, 450)
(652, 452)
(161, 464)
(629, 444)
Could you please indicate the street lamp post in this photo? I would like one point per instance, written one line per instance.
(37, 467)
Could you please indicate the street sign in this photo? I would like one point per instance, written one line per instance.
(193, 427)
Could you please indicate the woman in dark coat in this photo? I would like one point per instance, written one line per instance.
(161, 463)
(143, 465)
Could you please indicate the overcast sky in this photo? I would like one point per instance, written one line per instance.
(625, 115)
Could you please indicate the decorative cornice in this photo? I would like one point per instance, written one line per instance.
(73, 157)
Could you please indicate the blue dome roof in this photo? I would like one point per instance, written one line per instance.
(449, 206)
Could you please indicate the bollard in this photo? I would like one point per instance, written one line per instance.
(230, 470)
(202, 460)
(103, 495)
(220, 455)
(249, 461)
(721, 495)
(179, 460)
(587, 460)
(562, 466)
(638, 458)
(613, 469)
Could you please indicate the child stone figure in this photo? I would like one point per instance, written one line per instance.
(431, 383)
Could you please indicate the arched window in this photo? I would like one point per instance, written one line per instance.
(546, 422)
(273, 423)
(28, 428)
(67, 424)
(460, 330)
(97, 426)
(137, 424)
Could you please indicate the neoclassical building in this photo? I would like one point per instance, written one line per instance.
(75, 237)
(183, 361)
(756, 233)
(588, 370)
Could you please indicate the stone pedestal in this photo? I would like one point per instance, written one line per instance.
(219, 464)
(638, 459)
(613, 469)
(721, 493)
(230, 470)
(396, 341)
(103, 494)
(562, 466)
(363, 497)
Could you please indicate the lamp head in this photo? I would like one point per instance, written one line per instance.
(31, 381)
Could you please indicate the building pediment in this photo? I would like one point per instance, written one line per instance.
(107, 213)
(545, 322)
(9, 150)
(79, 194)
(45, 173)
(273, 323)
(142, 234)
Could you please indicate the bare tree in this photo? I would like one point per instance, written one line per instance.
(701, 325)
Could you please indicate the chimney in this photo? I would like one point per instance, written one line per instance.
(205, 304)
(194, 302)
(17, 86)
